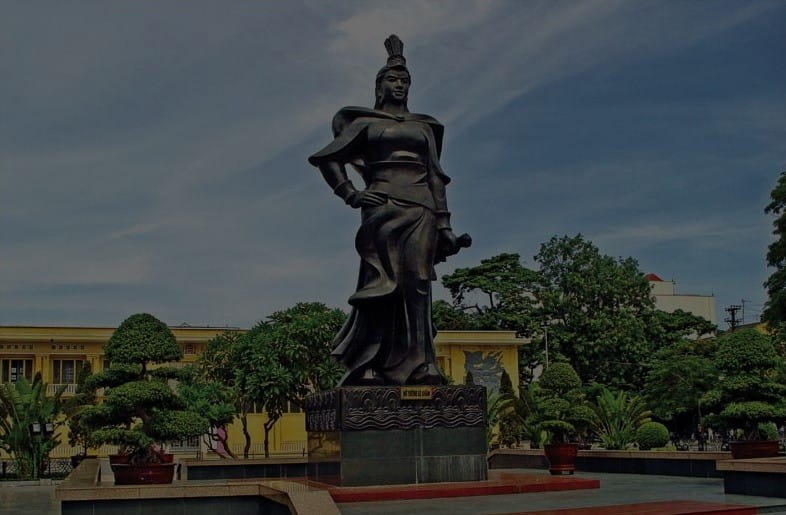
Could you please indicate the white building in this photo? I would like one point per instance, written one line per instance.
(667, 300)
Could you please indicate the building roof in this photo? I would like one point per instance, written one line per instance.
(653, 278)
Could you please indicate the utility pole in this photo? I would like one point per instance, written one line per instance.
(732, 318)
(743, 301)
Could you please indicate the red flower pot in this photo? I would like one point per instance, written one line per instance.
(745, 449)
(562, 457)
(144, 473)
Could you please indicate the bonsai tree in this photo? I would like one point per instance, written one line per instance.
(750, 391)
(141, 408)
(560, 408)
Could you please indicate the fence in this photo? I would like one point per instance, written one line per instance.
(59, 467)
(287, 448)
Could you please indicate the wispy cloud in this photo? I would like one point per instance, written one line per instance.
(155, 156)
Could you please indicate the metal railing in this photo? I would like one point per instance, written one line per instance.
(288, 448)
(53, 387)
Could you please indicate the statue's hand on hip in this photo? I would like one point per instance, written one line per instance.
(367, 198)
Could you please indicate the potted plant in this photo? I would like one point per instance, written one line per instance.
(750, 393)
(617, 418)
(560, 411)
(141, 410)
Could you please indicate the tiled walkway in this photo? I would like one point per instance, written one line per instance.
(615, 489)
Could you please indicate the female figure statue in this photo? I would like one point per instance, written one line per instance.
(405, 229)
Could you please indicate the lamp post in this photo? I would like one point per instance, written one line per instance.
(545, 327)
(39, 430)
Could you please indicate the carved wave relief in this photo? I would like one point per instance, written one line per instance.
(358, 408)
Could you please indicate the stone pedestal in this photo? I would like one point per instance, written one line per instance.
(380, 435)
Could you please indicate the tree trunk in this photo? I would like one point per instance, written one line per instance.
(225, 442)
(246, 434)
(268, 426)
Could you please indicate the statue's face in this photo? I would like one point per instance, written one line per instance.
(394, 87)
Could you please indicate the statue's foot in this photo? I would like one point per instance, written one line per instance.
(371, 377)
(426, 373)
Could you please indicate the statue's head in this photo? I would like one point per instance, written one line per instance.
(393, 80)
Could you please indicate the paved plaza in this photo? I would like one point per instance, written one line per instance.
(615, 489)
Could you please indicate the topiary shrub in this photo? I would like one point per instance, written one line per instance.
(560, 378)
(651, 435)
(750, 390)
(559, 405)
(140, 409)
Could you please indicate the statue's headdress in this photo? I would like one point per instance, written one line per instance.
(395, 48)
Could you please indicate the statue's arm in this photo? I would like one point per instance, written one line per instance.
(437, 186)
(332, 160)
(335, 174)
(448, 243)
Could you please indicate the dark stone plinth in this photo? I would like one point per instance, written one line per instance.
(369, 436)
(754, 483)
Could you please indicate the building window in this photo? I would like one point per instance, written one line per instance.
(190, 348)
(13, 369)
(65, 371)
(187, 444)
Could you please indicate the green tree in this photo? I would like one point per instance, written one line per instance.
(775, 309)
(665, 330)
(25, 413)
(509, 421)
(751, 389)
(212, 400)
(596, 308)
(79, 433)
(288, 356)
(496, 294)
(141, 408)
(679, 377)
(223, 363)
(447, 317)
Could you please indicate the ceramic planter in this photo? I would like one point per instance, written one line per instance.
(745, 449)
(142, 474)
(562, 457)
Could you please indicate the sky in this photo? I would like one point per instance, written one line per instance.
(153, 153)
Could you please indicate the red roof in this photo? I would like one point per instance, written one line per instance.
(653, 278)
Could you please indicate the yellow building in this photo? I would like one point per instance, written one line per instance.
(59, 352)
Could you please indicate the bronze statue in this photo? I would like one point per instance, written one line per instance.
(405, 229)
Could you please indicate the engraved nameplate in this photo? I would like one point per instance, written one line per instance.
(416, 393)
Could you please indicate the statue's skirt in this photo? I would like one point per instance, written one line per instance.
(390, 328)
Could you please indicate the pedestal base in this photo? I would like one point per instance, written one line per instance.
(361, 436)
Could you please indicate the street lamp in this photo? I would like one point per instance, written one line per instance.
(39, 429)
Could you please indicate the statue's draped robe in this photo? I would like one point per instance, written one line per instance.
(390, 328)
